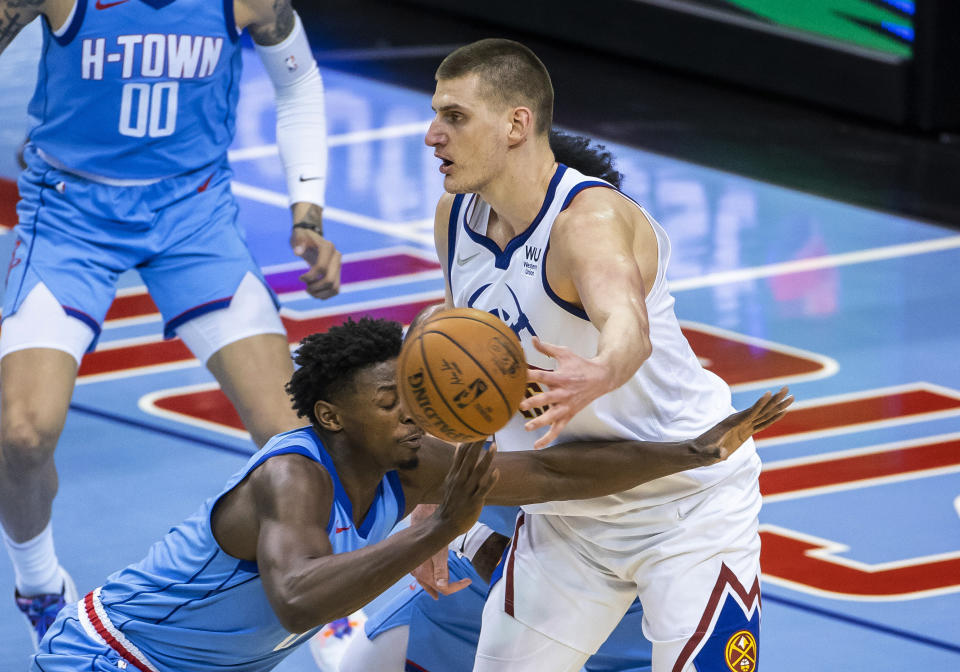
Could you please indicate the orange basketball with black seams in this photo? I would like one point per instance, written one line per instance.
(462, 374)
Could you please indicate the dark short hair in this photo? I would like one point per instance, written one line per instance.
(583, 154)
(509, 73)
(328, 362)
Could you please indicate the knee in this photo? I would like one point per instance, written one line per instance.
(25, 447)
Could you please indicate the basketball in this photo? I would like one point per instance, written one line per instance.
(462, 374)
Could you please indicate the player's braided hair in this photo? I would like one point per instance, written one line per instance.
(329, 361)
(577, 152)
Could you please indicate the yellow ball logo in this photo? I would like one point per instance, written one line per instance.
(741, 652)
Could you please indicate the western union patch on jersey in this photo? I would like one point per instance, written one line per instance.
(741, 652)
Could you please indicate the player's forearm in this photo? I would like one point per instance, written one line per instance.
(334, 586)
(586, 469)
(308, 213)
(624, 343)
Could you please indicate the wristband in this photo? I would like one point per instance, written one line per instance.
(316, 228)
(467, 544)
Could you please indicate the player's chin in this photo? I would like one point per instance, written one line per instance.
(452, 185)
(409, 463)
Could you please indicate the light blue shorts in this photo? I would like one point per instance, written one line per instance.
(77, 236)
(67, 648)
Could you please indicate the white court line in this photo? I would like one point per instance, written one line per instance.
(816, 263)
(407, 230)
(956, 504)
(385, 133)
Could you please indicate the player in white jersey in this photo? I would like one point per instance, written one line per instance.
(578, 271)
(131, 119)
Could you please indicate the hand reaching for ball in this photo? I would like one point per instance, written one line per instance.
(466, 486)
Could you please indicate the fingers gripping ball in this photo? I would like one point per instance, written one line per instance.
(462, 374)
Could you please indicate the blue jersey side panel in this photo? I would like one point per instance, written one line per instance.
(136, 91)
(189, 605)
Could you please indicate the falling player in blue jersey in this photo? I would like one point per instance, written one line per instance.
(298, 537)
(127, 168)
(418, 631)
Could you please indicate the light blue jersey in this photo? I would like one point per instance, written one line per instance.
(190, 606)
(138, 89)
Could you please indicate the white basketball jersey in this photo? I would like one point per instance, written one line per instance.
(671, 397)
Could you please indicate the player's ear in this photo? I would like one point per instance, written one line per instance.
(521, 125)
(327, 416)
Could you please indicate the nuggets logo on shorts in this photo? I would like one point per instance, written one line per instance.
(741, 652)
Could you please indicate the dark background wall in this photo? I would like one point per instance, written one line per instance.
(895, 165)
(723, 40)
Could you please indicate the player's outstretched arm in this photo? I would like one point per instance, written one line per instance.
(585, 469)
(306, 583)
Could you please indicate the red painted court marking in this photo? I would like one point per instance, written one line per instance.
(139, 304)
(852, 413)
(852, 469)
(813, 565)
(740, 360)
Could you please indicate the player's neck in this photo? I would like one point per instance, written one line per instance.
(517, 194)
(358, 472)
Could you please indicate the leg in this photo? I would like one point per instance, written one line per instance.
(245, 347)
(553, 604)
(252, 373)
(626, 649)
(36, 384)
(40, 346)
(387, 652)
(701, 598)
(507, 644)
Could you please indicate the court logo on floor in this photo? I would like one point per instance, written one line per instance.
(741, 652)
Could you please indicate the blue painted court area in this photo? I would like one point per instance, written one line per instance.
(862, 554)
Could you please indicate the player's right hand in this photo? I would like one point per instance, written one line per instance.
(466, 486)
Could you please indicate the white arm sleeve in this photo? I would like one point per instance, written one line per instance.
(301, 118)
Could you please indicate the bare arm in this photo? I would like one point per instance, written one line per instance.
(306, 583)
(593, 264)
(14, 15)
(268, 21)
(585, 469)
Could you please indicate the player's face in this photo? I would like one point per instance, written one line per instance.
(468, 135)
(374, 417)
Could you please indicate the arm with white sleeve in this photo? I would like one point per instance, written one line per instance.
(282, 45)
